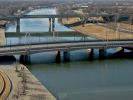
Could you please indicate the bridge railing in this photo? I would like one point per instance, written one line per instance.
(60, 42)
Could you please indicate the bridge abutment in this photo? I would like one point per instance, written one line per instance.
(91, 54)
(102, 53)
(25, 59)
(58, 57)
(66, 56)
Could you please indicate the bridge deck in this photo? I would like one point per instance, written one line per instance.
(60, 34)
(62, 46)
(41, 16)
(61, 16)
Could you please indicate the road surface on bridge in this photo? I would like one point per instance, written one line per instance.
(64, 46)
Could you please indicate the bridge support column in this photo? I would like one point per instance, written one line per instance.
(58, 57)
(83, 21)
(25, 59)
(53, 24)
(66, 56)
(50, 24)
(18, 26)
(102, 53)
(132, 51)
(91, 54)
(122, 50)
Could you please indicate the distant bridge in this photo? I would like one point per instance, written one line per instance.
(61, 16)
(57, 33)
(40, 16)
(52, 17)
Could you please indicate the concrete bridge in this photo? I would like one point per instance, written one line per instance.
(39, 34)
(62, 16)
(25, 50)
(52, 18)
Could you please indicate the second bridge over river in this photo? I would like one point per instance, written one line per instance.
(25, 50)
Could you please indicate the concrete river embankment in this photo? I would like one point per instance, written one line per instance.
(25, 86)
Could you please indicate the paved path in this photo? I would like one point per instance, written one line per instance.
(34, 90)
(1, 83)
(7, 86)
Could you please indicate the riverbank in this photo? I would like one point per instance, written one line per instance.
(97, 31)
(25, 85)
(3, 22)
(2, 37)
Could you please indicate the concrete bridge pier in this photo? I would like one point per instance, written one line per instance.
(50, 28)
(122, 50)
(50, 20)
(18, 26)
(102, 53)
(66, 56)
(119, 53)
(50, 24)
(25, 59)
(83, 22)
(53, 24)
(91, 54)
(132, 52)
(58, 57)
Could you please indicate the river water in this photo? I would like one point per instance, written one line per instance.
(80, 79)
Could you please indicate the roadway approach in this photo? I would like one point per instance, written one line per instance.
(25, 50)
